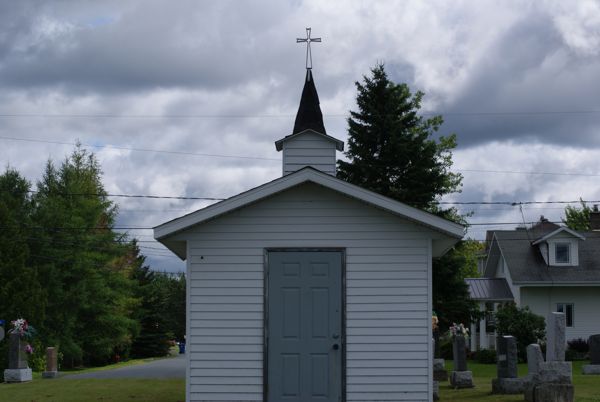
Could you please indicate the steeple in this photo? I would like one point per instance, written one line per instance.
(309, 114)
(309, 144)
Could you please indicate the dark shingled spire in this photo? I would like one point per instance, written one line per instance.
(309, 114)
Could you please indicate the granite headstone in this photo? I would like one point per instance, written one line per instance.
(594, 367)
(51, 364)
(459, 353)
(18, 370)
(594, 343)
(534, 358)
(555, 336)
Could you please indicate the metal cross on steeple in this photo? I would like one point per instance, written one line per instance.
(308, 40)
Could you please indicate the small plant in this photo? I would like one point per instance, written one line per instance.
(521, 323)
(579, 345)
(486, 356)
(21, 326)
(458, 329)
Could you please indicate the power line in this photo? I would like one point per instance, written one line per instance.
(283, 115)
(141, 149)
(172, 152)
(509, 203)
(529, 172)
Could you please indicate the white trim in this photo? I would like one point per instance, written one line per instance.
(304, 175)
(188, 318)
(558, 283)
(560, 229)
(430, 310)
(339, 144)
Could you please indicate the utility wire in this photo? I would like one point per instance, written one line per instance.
(110, 146)
(141, 149)
(283, 115)
(509, 203)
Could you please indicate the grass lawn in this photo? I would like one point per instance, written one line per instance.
(587, 387)
(61, 390)
(117, 390)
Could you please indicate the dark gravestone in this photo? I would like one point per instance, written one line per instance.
(459, 353)
(507, 357)
(17, 357)
(507, 381)
(18, 370)
(594, 367)
(594, 343)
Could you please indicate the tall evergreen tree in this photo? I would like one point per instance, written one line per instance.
(153, 313)
(390, 149)
(90, 298)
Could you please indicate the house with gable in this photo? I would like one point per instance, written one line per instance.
(308, 288)
(547, 268)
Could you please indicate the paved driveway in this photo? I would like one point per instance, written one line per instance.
(173, 367)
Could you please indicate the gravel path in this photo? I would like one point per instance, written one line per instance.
(162, 369)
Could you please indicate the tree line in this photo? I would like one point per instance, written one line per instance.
(84, 286)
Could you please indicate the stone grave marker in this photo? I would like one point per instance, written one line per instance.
(534, 359)
(18, 370)
(594, 367)
(460, 377)
(555, 337)
(553, 382)
(507, 381)
(51, 364)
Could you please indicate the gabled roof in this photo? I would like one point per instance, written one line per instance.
(527, 266)
(557, 231)
(339, 145)
(309, 114)
(489, 289)
(448, 229)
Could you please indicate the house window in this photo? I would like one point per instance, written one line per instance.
(566, 308)
(562, 253)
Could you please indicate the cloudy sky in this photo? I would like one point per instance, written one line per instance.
(185, 98)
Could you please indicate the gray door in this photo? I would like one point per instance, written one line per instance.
(304, 329)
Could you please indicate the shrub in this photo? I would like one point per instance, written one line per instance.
(486, 356)
(578, 345)
(521, 323)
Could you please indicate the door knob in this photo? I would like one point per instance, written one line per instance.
(336, 346)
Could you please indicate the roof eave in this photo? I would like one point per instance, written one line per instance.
(339, 145)
(555, 232)
(308, 174)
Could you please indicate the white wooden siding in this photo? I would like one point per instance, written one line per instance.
(387, 299)
(309, 149)
(585, 299)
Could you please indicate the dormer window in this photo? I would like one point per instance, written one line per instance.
(562, 253)
(560, 248)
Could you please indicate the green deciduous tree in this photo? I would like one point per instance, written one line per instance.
(521, 323)
(390, 147)
(451, 300)
(578, 218)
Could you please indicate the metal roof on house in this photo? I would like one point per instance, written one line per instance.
(489, 289)
(526, 264)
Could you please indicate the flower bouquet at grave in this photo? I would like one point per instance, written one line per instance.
(458, 329)
(25, 331)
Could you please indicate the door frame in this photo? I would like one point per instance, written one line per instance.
(266, 252)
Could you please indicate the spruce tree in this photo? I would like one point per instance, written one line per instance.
(390, 147)
(81, 263)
